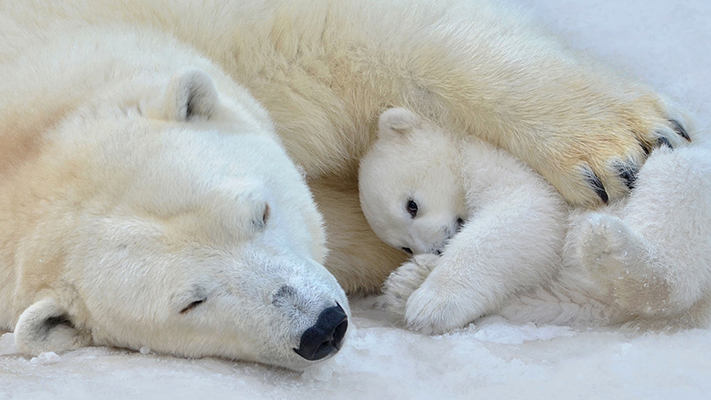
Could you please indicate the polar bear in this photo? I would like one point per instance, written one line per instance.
(146, 201)
(509, 244)
(326, 69)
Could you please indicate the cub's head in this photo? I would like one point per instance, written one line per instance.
(185, 228)
(409, 184)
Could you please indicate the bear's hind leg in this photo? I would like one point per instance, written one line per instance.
(622, 265)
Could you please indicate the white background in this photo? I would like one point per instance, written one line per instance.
(666, 43)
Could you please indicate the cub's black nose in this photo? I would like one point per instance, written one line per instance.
(326, 336)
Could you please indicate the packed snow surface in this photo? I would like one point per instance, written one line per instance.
(666, 43)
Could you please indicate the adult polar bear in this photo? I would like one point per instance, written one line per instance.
(325, 70)
(145, 200)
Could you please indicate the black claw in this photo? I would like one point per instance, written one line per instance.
(628, 173)
(680, 129)
(664, 142)
(646, 148)
(596, 185)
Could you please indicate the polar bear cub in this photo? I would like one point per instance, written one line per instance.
(489, 235)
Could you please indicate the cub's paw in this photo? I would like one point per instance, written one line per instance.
(621, 265)
(606, 245)
(597, 161)
(402, 282)
(434, 309)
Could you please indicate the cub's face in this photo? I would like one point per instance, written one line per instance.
(409, 184)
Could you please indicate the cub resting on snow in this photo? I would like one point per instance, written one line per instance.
(509, 244)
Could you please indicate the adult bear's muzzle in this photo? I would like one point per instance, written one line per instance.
(326, 336)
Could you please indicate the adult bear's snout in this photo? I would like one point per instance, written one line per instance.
(326, 336)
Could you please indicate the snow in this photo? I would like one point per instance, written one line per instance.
(666, 43)
(492, 359)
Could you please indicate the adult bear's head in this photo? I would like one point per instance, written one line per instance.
(180, 224)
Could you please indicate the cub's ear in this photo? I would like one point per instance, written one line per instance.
(397, 121)
(45, 326)
(191, 93)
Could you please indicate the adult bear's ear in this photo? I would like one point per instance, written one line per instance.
(397, 121)
(191, 93)
(46, 326)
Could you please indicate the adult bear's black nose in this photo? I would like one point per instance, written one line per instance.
(326, 336)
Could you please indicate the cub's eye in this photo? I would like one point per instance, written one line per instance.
(407, 250)
(412, 208)
(265, 216)
(192, 305)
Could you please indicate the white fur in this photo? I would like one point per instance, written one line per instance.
(646, 260)
(35, 335)
(326, 69)
(139, 179)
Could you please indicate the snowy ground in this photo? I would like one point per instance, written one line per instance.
(667, 43)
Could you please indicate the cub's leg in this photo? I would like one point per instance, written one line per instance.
(660, 266)
(621, 263)
(509, 244)
(494, 257)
